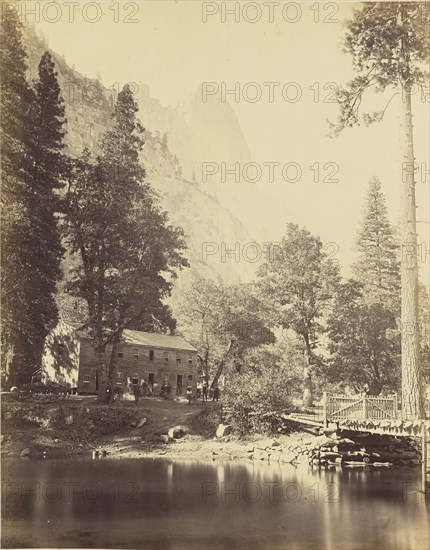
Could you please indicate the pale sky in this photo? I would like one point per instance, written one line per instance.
(172, 50)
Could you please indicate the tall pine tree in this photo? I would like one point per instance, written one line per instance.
(16, 126)
(44, 203)
(378, 265)
(363, 326)
(31, 125)
(390, 45)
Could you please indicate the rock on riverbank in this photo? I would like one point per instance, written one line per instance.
(326, 450)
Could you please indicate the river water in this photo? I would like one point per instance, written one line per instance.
(167, 504)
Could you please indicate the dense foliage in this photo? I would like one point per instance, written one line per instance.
(255, 402)
(299, 281)
(364, 343)
(390, 45)
(222, 323)
(32, 174)
(128, 253)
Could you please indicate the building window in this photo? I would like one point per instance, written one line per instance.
(165, 379)
(190, 379)
(60, 349)
(119, 376)
(86, 377)
(190, 359)
(166, 356)
(151, 355)
(136, 353)
(178, 358)
(120, 354)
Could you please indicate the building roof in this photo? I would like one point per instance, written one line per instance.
(155, 340)
(150, 339)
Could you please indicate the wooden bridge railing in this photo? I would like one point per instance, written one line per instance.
(359, 407)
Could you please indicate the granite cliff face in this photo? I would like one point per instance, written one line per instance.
(200, 130)
(205, 215)
(205, 135)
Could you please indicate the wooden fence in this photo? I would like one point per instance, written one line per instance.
(359, 407)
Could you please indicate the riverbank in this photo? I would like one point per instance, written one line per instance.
(80, 426)
(173, 428)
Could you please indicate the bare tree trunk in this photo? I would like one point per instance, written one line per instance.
(99, 348)
(221, 365)
(375, 387)
(308, 397)
(412, 403)
(204, 364)
(111, 377)
(8, 361)
(100, 345)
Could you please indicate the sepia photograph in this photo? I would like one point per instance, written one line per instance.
(215, 274)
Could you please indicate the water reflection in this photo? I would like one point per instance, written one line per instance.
(162, 503)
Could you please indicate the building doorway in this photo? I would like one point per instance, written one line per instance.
(179, 384)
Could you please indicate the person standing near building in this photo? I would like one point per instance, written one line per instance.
(216, 394)
(205, 390)
(154, 388)
(137, 393)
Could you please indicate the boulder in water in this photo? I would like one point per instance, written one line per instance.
(288, 457)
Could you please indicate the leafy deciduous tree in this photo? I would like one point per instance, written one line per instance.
(364, 342)
(129, 254)
(222, 323)
(299, 282)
